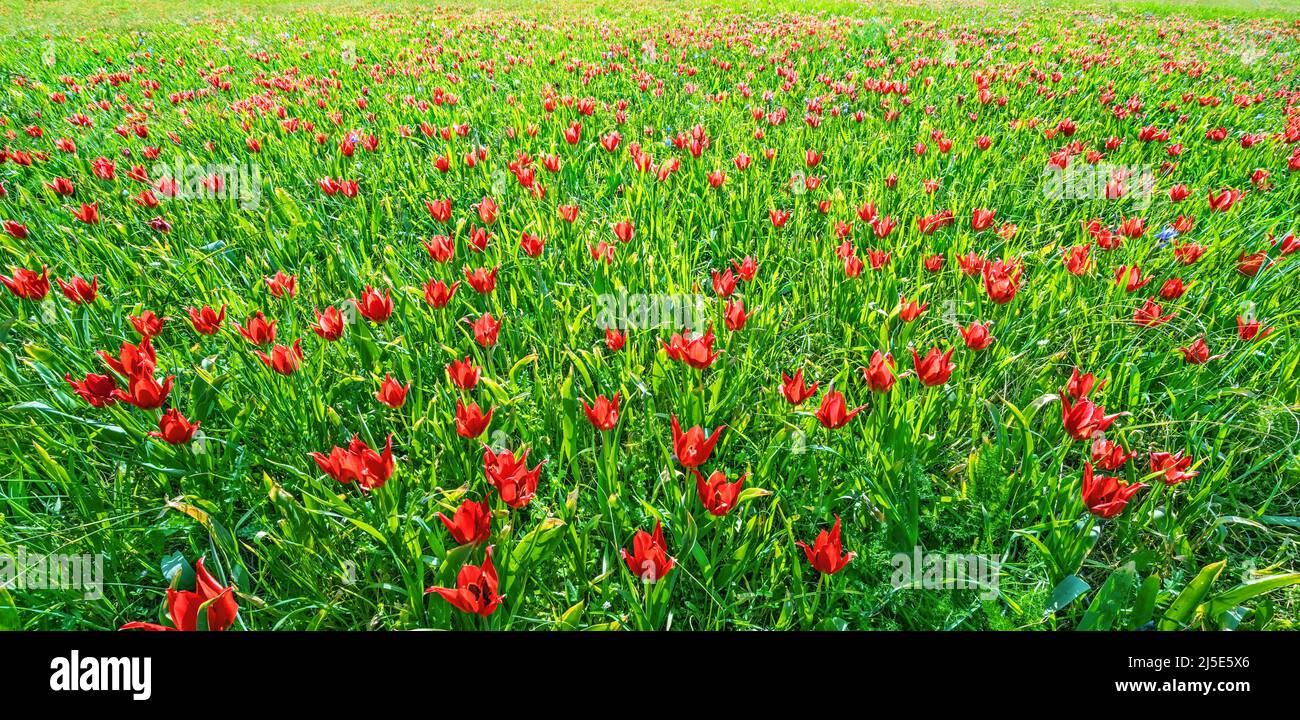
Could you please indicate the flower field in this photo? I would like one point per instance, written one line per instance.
(605, 317)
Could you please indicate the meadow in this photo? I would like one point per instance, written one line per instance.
(586, 316)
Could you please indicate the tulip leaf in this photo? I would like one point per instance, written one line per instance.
(1066, 592)
(1180, 612)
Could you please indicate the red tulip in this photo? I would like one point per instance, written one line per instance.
(514, 482)
(649, 558)
(746, 268)
(1083, 418)
(1109, 455)
(79, 291)
(134, 359)
(982, 219)
(463, 373)
(1080, 386)
(258, 331)
(724, 284)
(283, 360)
(95, 389)
(207, 321)
(1106, 496)
(471, 524)
(1130, 278)
(833, 412)
(976, 335)
(717, 495)
(375, 307)
(1249, 329)
(825, 555)
(1148, 316)
(147, 324)
(936, 368)
(623, 230)
(476, 589)
(1076, 259)
(145, 392)
(438, 294)
(359, 463)
(174, 428)
(794, 389)
(1198, 353)
(692, 447)
(392, 393)
(735, 316)
(329, 324)
(1002, 281)
(481, 279)
(1175, 466)
(183, 606)
(471, 421)
(879, 374)
(1172, 289)
(1250, 265)
(909, 310)
(282, 284)
(695, 351)
(603, 412)
(614, 340)
(441, 248)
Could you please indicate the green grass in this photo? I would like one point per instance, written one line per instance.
(980, 465)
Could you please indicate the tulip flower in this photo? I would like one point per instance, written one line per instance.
(481, 279)
(1175, 466)
(98, 390)
(717, 495)
(695, 351)
(1106, 497)
(879, 373)
(1249, 330)
(283, 360)
(373, 306)
(134, 359)
(258, 331)
(80, 292)
(1172, 289)
(794, 389)
(174, 428)
(470, 420)
(463, 373)
(909, 310)
(329, 324)
(1001, 281)
(649, 559)
(724, 283)
(145, 392)
(282, 284)
(514, 482)
(147, 324)
(614, 340)
(207, 321)
(936, 368)
(833, 412)
(692, 447)
(1198, 353)
(486, 330)
(603, 412)
(1148, 316)
(1109, 455)
(358, 463)
(471, 524)
(476, 589)
(976, 335)
(184, 606)
(746, 268)
(1081, 385)
(392, 393)
(735, 316)
(437, 293)
(1083, 418)
(825, 554)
